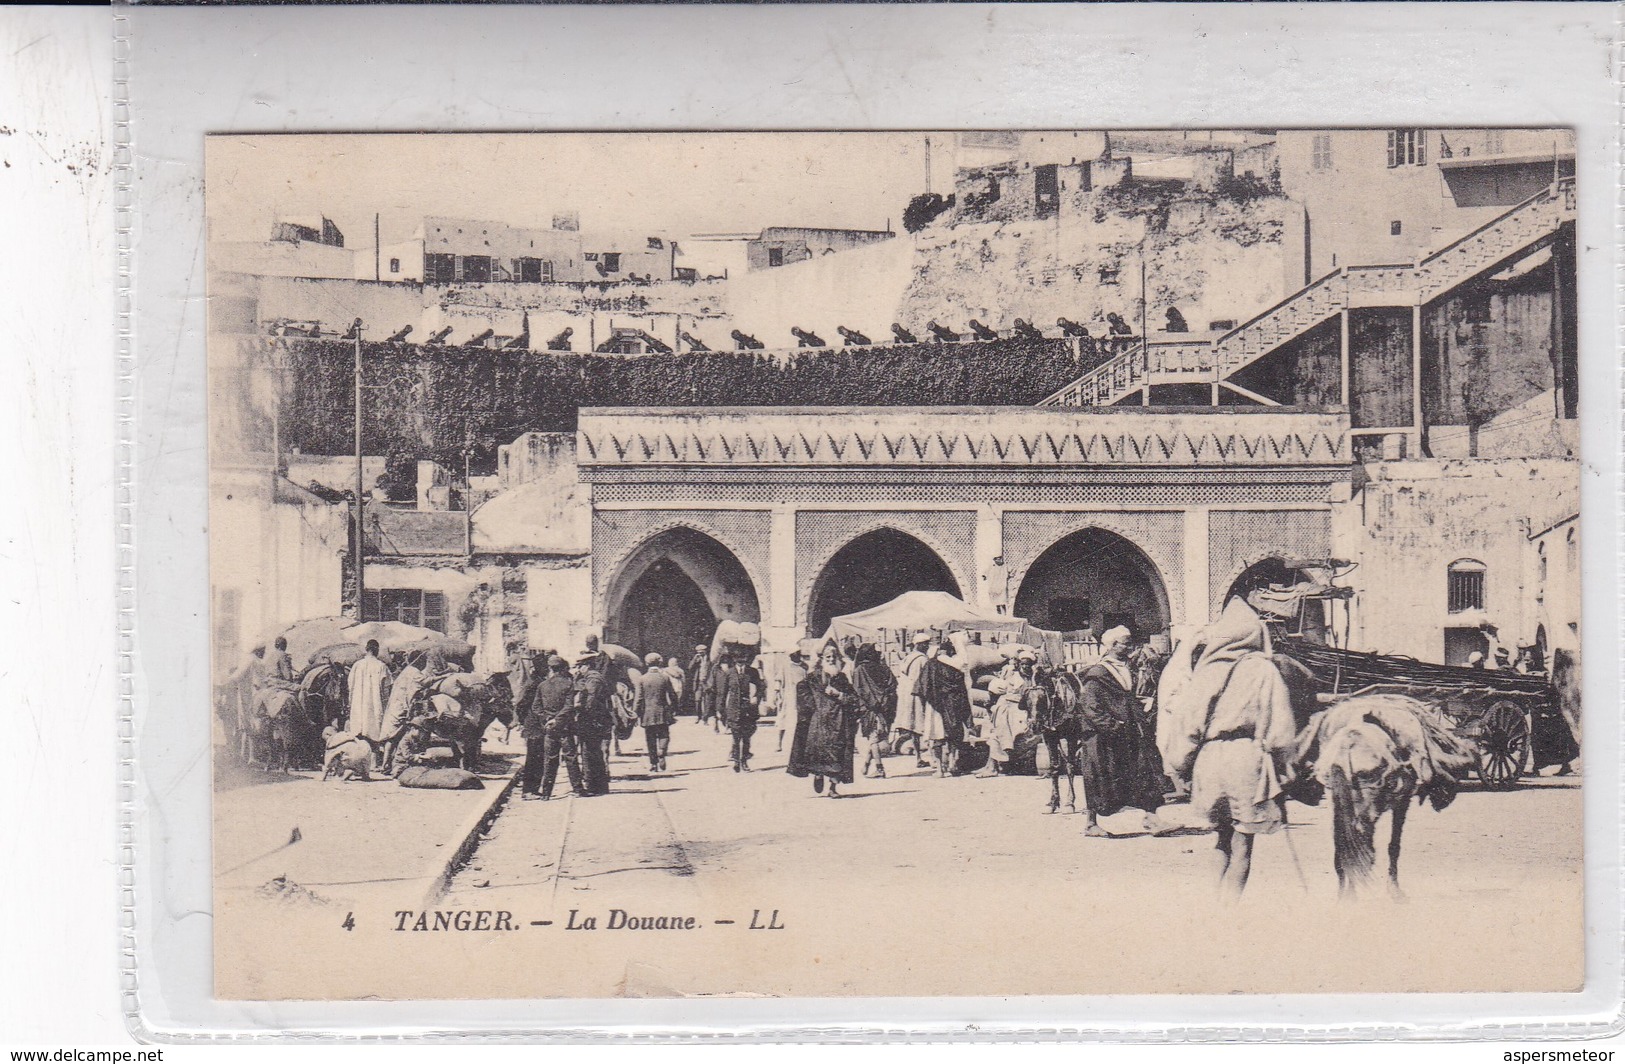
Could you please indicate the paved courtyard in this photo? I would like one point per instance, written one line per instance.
(913, 885)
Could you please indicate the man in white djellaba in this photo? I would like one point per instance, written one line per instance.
(369, 684)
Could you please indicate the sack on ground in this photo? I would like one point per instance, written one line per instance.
(440, 779)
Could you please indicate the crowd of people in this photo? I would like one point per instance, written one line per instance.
(849, 709)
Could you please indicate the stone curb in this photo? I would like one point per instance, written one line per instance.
(469, 841)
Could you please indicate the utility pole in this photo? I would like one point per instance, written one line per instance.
(377, 251)
(928, 162)
(1145, 337)
(468, 498)
(359, 544)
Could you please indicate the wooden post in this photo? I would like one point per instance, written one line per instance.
(1418, 429)
(1343, 347)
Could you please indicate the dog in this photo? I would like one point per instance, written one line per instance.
(349, 756)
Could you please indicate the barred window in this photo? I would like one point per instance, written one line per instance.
(408, 605)
(1466, 586)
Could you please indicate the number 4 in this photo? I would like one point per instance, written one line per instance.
(349, 922)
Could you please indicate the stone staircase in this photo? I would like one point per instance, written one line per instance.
(1408, 285)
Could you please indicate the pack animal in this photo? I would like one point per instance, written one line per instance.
(1054, 706)
(1373, 754)
(459, 720)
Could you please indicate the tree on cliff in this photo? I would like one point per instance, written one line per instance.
(923, 209)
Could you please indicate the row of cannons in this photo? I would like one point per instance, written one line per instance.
(642, 342)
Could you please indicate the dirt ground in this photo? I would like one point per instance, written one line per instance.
(362, 847)
(909, 885)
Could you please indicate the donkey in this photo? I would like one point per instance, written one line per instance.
(1374, 753)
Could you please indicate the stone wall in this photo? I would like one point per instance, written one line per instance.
(1412, 519)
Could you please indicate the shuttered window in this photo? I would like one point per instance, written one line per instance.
(1407, 147)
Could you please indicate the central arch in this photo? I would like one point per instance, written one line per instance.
(670, 594)
(1094, 579)
(873, 569)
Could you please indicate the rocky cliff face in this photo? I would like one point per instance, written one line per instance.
(1216, 255)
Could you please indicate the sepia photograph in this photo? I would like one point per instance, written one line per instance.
(894, 564)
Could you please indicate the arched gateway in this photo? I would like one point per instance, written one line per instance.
(872, 569)
(673, 590)
(1094, 579)
(830, 510)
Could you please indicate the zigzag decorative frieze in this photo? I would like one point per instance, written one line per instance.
(1287, 439)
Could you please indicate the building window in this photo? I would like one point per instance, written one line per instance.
(775, 256)
(1321, 152)
(476, 267)
(1108, 275)
(394, 265)
(530, 269)
(1407, 147)
(439, 269)
(1466, 586)
(1395, 228)
(408, 605)
(591, 256)
(612, 261)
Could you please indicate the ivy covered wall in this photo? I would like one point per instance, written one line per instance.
(425, 402)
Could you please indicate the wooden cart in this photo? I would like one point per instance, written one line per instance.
(1511, 719)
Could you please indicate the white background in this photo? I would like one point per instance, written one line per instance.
(1376, 64)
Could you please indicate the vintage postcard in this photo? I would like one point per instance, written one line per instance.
(894, 564)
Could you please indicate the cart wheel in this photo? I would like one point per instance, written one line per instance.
(1503, 752)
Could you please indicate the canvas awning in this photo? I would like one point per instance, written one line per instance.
(914, 611)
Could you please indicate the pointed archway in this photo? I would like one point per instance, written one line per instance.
(1094, 579)
(672, 592)
(872, 569)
